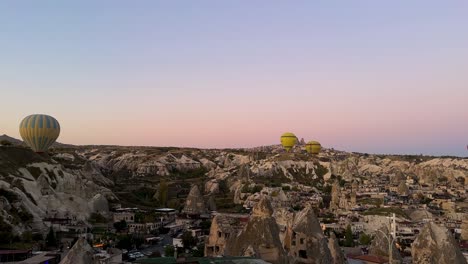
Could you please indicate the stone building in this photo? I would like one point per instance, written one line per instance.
(305, 240)
(222, 228)
(260, 237)
(129, 217)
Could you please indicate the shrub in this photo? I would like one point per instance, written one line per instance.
(5, 143)
(97, 218)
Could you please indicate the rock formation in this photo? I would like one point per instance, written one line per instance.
(195, 203)
(260, 237)
(335, 195)
(435, 245)
(464, 228)
(80, 253)
(335, 250)
(403, 189)
(211, 204)
(305, 240)
(222, 228)
(99, 204)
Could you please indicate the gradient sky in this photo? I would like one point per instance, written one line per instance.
(368, 76)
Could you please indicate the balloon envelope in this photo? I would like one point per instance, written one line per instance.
(288, 140)
(313, 147)
(39, 131)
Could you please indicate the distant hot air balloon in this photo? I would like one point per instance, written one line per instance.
(288, 140)
(39, 131)
(313, 147)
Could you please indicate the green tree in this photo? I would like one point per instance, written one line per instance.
(27, 236)
(169, 251)
(125, 242)
(223, 187)
(97, 218)
(163, 190)
(327, 189)
(205, 224)
(51, 240)
(349, 240)
(188, 240)
(365, 239)
(5, 232)
(119, 226)
(199, 252)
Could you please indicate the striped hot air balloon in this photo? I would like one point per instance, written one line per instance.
(288, 140)
(39, 131)
(313, 147)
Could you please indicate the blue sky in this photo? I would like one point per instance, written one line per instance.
(370, 76)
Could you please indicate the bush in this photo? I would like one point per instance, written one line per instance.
(5, 232)
(97, 218)
(169, 251)
(119, 226)
(349, 240)
(51, 241)
(365, 239)
(5, 143)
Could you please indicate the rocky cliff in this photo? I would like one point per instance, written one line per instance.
(34, 187)
(434, 245)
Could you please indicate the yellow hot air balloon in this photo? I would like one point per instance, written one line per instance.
(288, 140)
(313, 147)
(39, 131)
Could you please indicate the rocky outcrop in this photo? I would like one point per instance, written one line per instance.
(99, 204)
(335, 196)
(464, 228)
(195, 203)
(212, 186)
(403, 189)
(435, 245)
(335, 250)
(305, 240)
(211, 204)
(42, 187)
(80, 253)
(260, 237)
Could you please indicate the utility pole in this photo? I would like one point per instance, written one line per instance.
(392, 230)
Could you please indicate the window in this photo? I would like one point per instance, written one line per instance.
(210, 250)
(302, 254)
(302, 241)
(219, 234)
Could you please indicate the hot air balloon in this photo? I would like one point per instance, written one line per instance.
(313, 147)
(39, 131)
(288, 140)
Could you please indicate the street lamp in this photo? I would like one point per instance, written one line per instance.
(390, 237)
(390, 240)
